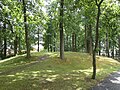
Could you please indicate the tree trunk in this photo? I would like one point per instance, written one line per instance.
(15, 45)
(38, 41)
(96, 39)
(94, 65)
(50, 42)
(73, 42)
(78, 44)
(61, 30)
(51, 47)
(67, 43)
(5, 48)
(107, 44)
(119, 47)
(90, 40)
(19, 42)
(113, 52)
(86, 38)
(99, 48)
(48, 48)
(70, 43)
(26, 31)
(0, 48)
(5, 42)
(54, 42)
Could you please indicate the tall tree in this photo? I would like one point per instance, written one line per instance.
(88, 36)
(119, 46)
(61, 30)
(98, 4)
(26, 30)
(15, 45)
(5, 42)
(107, 43)
(38, 40)
(73, 42)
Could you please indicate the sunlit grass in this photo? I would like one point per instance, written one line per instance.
(11, 58)
(18, 61)
(73, 73)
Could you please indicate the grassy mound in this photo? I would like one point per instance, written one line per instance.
(73, 73)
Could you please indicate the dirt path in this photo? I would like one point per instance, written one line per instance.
(19, 68)
(110, 83)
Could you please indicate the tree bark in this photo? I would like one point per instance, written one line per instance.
(5, 48)
(96, 39)
(90, 40)
(54, 42)
(38, 41)
(48, 41)
(15, 45)
(113, 52)
(0, 48)
(119, 47)
(73, 42)
(107, 44)
(26, 30)
(99, 48)
(5, 42)
(61, 30)
(86, 38)
(19, 42)
(67, 43)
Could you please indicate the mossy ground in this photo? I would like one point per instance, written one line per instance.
(73, 73)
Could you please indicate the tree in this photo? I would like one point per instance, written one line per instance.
(12, 31)
(98, 4)
(5, 41)
(88, 38)
(26, 30)
(61, 30)
(119, 45)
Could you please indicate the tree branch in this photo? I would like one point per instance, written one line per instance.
(100, 2)
(96, 2)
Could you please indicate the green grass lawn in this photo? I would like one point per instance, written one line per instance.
(73, 73)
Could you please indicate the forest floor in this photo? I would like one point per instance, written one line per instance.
(45, 71)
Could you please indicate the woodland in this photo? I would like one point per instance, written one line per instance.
(75, 34)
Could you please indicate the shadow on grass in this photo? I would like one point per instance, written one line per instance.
(46, 79)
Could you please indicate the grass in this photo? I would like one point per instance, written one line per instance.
(18, 61)
(73, 73)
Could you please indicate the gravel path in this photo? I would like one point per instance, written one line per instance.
(110, 83)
